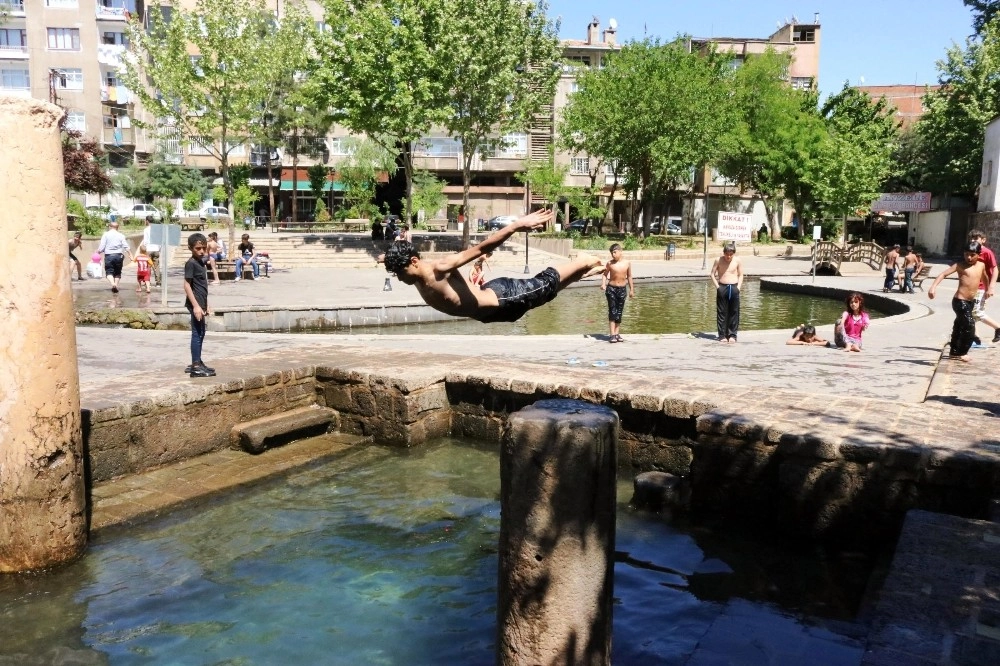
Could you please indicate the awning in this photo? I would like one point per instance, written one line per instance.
(336, 186)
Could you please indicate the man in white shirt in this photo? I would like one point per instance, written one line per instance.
(153, 249)
(114, 247)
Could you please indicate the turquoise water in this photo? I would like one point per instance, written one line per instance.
(388, 556)
(680, 306)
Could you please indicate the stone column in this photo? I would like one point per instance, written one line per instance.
(42, 502)
(557, 534)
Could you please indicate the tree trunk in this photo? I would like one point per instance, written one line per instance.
(295, 174)
(466, 184)
(408, 173)
(270, 187)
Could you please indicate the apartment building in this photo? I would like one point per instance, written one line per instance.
(68, 52)
(907, 100)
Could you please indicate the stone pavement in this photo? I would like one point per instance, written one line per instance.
(897, 393)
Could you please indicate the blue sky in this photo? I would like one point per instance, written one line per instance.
(884, 41)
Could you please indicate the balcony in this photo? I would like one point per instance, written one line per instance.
(117, 12)
(13, 52)
(12, 7)
(118, 136)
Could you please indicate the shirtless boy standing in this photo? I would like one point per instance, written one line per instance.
(971, 271)
(727, 275)
(444, 288)
(891, 267)
(910, 261)
(616, 278)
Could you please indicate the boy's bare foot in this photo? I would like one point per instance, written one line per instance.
(138, 290)
(216, 282)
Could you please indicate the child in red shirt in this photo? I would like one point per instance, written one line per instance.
(142, 264)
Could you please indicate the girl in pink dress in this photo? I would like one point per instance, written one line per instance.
(847, 332)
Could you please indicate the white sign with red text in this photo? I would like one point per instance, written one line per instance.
(899, 202)
(735, 226)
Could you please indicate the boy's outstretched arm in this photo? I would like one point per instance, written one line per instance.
(951, 269)
(535, 220)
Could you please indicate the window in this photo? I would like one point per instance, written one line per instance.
(76, 120)
(579, 165)
(802, 82)
(116, 118)
(111, 79)
(609, 168)
(196, 65)
(200, 146)
(988, 172)
(237, 148)
(62, 4)
(170, 145)
(432, 146)
(572, 62)
(574, 87)
(14, 79)
(64, 39)
(804, 35)
(13, 39)
(118, 38)
(68, 79)
(515, 146)
(321, 26)
(341, 145)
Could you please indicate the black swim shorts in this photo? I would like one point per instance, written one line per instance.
(517, 296)
(616, 302)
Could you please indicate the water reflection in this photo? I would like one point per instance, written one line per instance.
(388, 557)
(686, 306)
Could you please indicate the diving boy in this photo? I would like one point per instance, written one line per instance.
(971, 272)
(616, 279)
(444, 288)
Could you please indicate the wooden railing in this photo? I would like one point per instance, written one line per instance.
(832, 255)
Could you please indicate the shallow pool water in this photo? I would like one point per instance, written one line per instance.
(388, 556)
(677, 306)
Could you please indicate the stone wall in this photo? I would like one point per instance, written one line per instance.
(132, 438)
(783, 461)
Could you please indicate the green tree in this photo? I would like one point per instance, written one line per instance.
(208, 69)
(983, 11)
(856, 159)
(545, 179)
(952, 131)
(777, 138)
(385, 67)
(359, 173)
(428, 193)
(243, 200)
(317, 180)
(505, 57)
(655, 111)
(160, 180)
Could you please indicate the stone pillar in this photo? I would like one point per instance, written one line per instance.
(42, 502)
(557, 534)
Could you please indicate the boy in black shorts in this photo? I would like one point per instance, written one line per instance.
(196, 301)
(444, 288)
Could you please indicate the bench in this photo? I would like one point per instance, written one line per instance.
(192, 224)
(436, 226)
(227, 268)
(918, 278)
(347, 226)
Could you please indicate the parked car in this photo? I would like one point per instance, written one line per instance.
(106, 213)
(499, 222)
(214, 213)
(142, 211)
(672, 229)
(579, 225)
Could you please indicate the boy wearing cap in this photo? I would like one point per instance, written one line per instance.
(727, 275)
(971, 272)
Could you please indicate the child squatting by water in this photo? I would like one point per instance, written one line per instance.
(444, 288)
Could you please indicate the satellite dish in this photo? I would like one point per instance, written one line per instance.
(613, 24)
